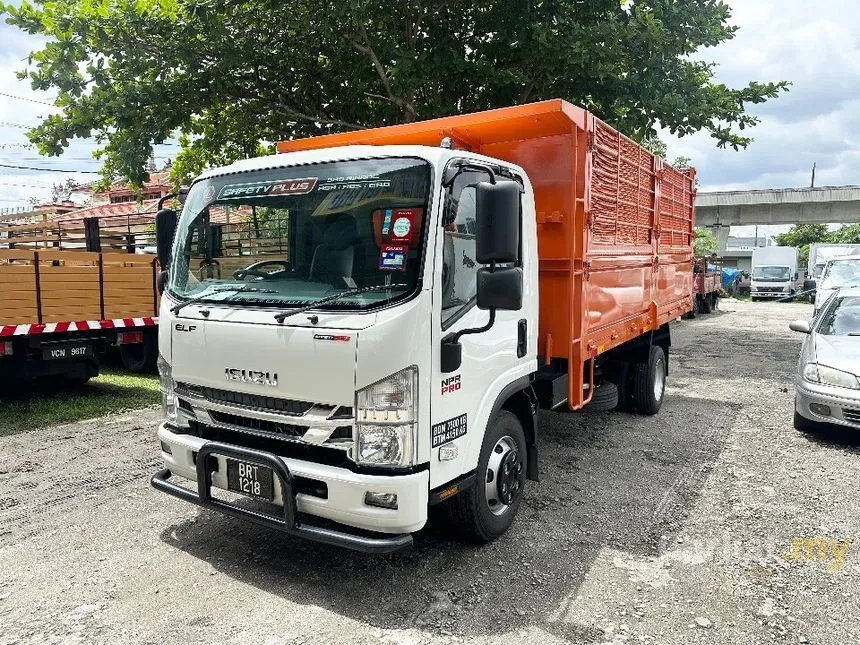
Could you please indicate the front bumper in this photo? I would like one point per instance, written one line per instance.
(204, 462)
(769, 294)
(844, 410)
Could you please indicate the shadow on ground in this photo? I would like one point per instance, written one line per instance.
(616, 481)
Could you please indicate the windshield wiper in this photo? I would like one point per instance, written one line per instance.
(175, 309)
(337, 296)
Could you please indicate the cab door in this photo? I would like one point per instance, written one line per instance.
(461, 400)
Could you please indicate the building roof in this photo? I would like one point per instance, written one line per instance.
(146, 208)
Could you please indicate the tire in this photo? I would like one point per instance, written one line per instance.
(622, 376)
(649, 382)
(140, 357)
(605, 398)
(471, 512)
(803, 424)
(705, 304)
(714, 300)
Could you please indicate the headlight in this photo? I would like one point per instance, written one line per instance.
(166, 385)
(385, 420)
(830, 376)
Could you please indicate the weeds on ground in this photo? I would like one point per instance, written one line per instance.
(51, 402)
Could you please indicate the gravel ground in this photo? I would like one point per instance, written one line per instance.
(670, 529)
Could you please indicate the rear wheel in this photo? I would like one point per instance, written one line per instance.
(705, 304)
(140, 357)
(487, 509)
(649, 382)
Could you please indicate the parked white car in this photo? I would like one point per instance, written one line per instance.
(827, 386)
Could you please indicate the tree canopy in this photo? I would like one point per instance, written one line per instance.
(705, 243)
(231, 75)
(804, 235)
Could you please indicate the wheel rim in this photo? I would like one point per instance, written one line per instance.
(503, 482)
(659, 380)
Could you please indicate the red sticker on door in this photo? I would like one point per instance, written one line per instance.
(392, 257)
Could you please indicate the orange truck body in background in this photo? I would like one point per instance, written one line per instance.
(615, 223)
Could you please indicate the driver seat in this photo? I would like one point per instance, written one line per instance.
(333, 260)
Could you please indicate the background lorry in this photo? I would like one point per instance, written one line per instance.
(707, 284)
(774, 272)
(819, 254)
(70, 289)
(366, 325)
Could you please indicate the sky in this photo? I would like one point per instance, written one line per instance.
(814, 45)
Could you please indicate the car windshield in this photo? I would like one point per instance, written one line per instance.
(841, 273)
(842, 319)
(289, 236)
(771, 273)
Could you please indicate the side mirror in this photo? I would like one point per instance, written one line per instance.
(796, 276)
(497, 221)
(500, 289)
(801, 326)
(165, 228)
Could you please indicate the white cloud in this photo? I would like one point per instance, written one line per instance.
(816, 46)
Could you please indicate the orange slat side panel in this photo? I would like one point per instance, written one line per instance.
(614, 222)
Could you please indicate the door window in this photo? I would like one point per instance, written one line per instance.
(459, 267)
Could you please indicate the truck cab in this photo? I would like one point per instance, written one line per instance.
(359, 395)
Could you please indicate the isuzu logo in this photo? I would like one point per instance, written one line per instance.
(251, 376)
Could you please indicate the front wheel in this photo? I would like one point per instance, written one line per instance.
(487, 509)
(805, 425)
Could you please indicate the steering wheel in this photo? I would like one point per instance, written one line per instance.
(255, 269)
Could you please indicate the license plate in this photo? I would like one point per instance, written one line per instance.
(250, 479)
(68, 350)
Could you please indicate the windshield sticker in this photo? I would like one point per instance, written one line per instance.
(386, 223)
(392, 257)
(401, 230)
(268, 188)
(352, 182)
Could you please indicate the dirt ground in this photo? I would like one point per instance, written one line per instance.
(669, 529)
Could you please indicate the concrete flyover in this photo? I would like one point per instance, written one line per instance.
(827, 205)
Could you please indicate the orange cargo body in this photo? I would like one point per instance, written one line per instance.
(615, 223)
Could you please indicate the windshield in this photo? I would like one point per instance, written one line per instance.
(842, 319)
(289, 236)
(841, 273)
(775, 273)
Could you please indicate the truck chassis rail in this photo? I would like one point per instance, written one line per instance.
(289, 523)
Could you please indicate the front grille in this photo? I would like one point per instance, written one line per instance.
(286, 406)
(851, 415)
(284, 430)
(272, 427)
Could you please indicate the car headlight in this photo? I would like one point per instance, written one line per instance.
(829, 376)
(385, 420)
(166, 385)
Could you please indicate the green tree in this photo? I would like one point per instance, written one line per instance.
(802, 236)
(705, 243)
(232, 74)
(849, 234)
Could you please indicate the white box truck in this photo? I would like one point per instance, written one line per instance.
(819, 254)
(774, 272)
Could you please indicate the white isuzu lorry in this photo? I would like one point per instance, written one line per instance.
(352, 333)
